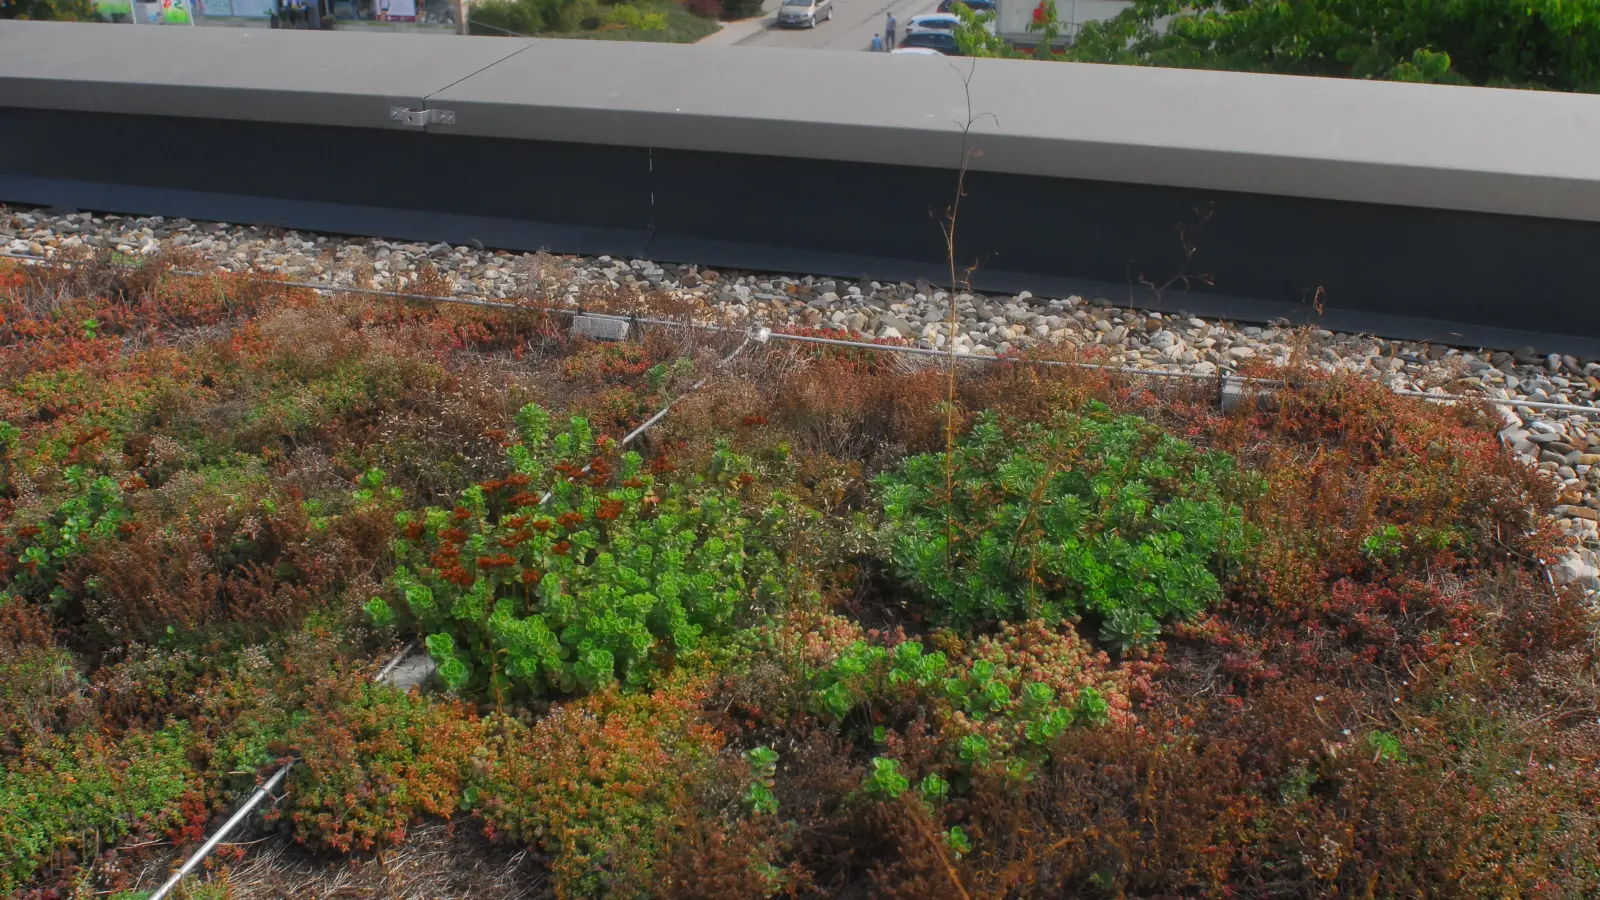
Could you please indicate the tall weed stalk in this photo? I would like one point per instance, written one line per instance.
(957, 284)
(948, 226)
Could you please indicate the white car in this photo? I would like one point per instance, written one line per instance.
(933, 22)
(945, 22)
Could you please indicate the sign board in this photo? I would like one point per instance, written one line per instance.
(176, 12)
(397, 10)
(162, 12)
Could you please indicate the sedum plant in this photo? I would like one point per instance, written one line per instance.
(95, 510)
(1096, 514)
(764, 769)
(996, 705)
(565, 575)
(1023, 710)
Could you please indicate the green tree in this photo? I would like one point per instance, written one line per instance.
(973, 37)
(57, 10)
(1543, 44)
(528, 17)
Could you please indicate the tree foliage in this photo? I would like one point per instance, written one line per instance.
(1543, 44)
(48, 10)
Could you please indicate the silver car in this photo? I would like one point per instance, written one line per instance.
(804, 13)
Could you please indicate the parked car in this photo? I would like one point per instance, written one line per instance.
(941, 41)
(804, 13)
(933, 22)
(943, 22)
(917, 51)
(945, 6)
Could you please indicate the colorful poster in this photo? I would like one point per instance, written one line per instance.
(175, 12)
(163, 12)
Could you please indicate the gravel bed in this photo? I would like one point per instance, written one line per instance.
(1566, 445)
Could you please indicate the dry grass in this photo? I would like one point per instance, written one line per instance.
(437, 862)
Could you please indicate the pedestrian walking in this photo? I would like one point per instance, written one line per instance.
(877, 44)
(888, 32)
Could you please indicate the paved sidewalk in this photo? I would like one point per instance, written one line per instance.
(735, 32)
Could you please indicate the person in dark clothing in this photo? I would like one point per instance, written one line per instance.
(888, 33)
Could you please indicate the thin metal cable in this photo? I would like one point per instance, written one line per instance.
(1575, 409)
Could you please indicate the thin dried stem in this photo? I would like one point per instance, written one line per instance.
(938, 848)
(956, 285)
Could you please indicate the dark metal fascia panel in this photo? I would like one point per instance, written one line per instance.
(605, 187)
(1478, 269)
(327, 218)
(1478, 149)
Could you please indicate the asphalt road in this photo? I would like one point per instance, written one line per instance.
(856, 21)
(853, 24)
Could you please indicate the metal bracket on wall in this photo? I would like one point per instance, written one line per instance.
(422, 117)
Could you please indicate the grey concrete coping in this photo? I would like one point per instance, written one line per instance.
(255, 74)
(1498, 151)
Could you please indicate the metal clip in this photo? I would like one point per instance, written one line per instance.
(422, 117)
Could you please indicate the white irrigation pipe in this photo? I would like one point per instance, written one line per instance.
(238, 816)
(633, 435)
(244, 810)
(383, 673)
(837, 342)
(763, 335)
